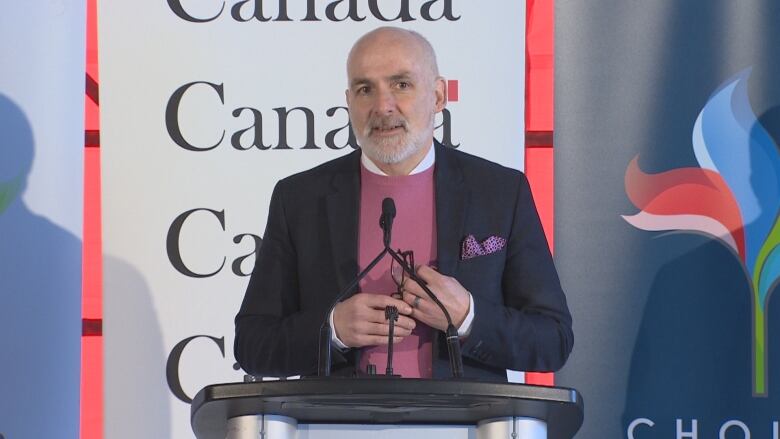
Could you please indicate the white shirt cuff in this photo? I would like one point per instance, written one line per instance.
(465, 327)
(334, 339)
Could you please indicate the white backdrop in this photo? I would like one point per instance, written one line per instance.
(185, 192)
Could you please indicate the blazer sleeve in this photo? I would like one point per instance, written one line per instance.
(529, 327)
(275, 335)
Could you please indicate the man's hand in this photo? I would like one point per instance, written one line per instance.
(360, 320)
(449, 292)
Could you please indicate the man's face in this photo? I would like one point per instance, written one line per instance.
(393, 96)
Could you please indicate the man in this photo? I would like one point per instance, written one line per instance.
(471, 225)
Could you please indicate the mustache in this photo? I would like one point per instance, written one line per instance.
(384, 123)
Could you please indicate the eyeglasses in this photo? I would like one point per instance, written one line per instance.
(400, 275)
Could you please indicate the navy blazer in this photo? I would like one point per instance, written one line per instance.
(309, 254)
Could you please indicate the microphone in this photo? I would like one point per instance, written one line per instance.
(386, 219)
(324, 353)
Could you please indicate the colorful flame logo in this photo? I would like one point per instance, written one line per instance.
(733, 196)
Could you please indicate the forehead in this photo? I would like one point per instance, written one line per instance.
(385, 55)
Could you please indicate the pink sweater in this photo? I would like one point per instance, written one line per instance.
(414, 229)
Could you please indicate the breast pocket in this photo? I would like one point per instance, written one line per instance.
(482, 274)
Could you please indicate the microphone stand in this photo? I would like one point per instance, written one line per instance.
(324, 355)
(453, 341)
(324, 358)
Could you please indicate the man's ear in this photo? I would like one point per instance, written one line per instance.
(346, 94)
(440, 90)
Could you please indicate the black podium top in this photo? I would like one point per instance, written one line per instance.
(385, 401)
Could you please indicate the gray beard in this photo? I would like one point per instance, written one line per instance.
(387, 151)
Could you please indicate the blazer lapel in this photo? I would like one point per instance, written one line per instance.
(452, 200)
(343, 209)
(451, 204)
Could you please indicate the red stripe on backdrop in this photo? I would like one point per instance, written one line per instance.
(539, 122)
(539, 65)
(91, 113)
(92, 306)
(539, 170)
(91, 418)
(92, 313)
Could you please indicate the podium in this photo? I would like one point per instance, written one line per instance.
(273, 409)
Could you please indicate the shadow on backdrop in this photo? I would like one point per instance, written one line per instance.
(40, 312)
(137, 404)
(40, 316)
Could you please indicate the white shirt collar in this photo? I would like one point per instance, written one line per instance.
(424, 165)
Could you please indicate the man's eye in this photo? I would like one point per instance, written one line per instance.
(404, 85)
(363, 90)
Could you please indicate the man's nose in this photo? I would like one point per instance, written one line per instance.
(385, 102)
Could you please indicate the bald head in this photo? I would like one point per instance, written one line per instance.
(393, 94)
(381, 38)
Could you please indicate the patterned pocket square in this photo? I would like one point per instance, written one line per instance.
(471, 248)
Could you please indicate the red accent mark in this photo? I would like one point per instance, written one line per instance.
(452, 90)
(92, 89)
(92, 138)
(538, 139)
(91, 327)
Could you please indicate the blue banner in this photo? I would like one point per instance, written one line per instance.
(667, 204)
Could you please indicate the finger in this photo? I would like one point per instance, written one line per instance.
(412, 288)
(428, 310)
(429, 313)
(428, 274)
(435, 321)
(378, 317)
(402, 332)
(414, 299)
(381, 301)
(406, 323)
(403, 308)
(381, 329)
(409, 298)
(373, 340)
(422, 317)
